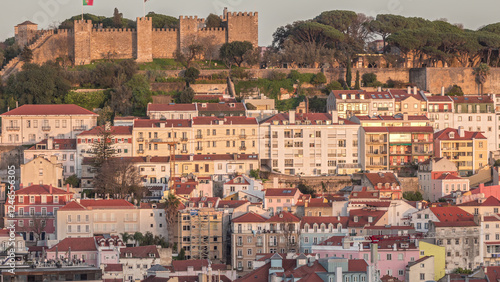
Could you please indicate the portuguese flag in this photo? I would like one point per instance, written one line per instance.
(88, 2)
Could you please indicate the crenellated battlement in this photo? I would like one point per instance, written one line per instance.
(83, 21)
(165, 29)
(244, 14)
(212, 29)
(118, 30)
(144, 19)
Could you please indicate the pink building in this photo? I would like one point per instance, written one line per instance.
(394, 253)
(35, 209)
(276, 200)
(75, 249)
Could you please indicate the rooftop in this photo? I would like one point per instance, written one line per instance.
(49, 110)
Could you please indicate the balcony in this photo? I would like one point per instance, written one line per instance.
(140, 139)
(12, 128)
(79, 128)
(199, 148)
(184, 152)
(243, 148)
(377, 164)
(156, 140)
(184, 139)
(199, 136)
(383, 108)
(46, 128)
(240, 268)
(259, 244)
(239, 244)
(243, 136)
(273, 244)
(240, 256)
(140, 151)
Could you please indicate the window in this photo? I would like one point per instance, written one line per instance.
(422, 276)
(401, 272)
(389, 256)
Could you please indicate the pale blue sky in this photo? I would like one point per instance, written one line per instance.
(272, 13)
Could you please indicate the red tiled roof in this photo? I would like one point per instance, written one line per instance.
(98, 204)
(76, 244)
(153, 123)
(284, 217)
(258, 275)
(384, 204)
(115, 130)
(113, 268)
(184, 190)
(314, 203)
(468, 135)
(489, 202)
(41, 189)
(171, 107)
(376, 178)
(472, 99)
(197, 264)
(240, 178)
(451, 214)
(447, 176)
(220, 107)
(439, 99)
(250, 217)
(362, 217)
(282, 192)
(357, 265)
(231, 204)
(227, 120)
(63, 144)
(48, 110)
(139, 252)
(204, 201)
(327, 220)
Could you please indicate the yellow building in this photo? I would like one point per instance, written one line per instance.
(151, 137)
(42, 170)
(228, 135)
(467, 149)
(439, 254)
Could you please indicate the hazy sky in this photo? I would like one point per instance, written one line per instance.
(272, 13)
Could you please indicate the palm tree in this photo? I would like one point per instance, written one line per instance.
(126, 237)
(172, 204)
(138, 237)
(481, 73)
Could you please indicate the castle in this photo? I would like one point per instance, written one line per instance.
(88, 42)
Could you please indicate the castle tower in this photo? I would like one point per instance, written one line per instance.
(188, 30)
(82, 35)
(242, 27)
(144, 40)
(25, 32)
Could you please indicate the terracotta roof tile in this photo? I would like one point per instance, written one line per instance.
(48, 110)
(327, 220)
(171, 107)
(139, 252)
(76, 244)
(250, 217)
(468, 135)
(282, 192)
(41, 189)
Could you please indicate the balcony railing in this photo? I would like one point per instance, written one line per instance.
(199, 148)
(46, 128)
(184, 151)
(140, 151)
(239, 244)
(199, 136)
(383, 108)
(243, 136)
(156, 140)
(242, 148)
(140, 139)
(12, 128)
(79, 128)
(273, 244)
(259, 244)
(184, 139)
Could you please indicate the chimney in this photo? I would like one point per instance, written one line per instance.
(409, 90)
(50, 143)
(291, 116)
(461, 131)
(17, 104)
(20, 186)
(67, 188)
(442, 91)
(338, 274)
(50, 189)
(414, 89)
(335, 117)
(379, 89)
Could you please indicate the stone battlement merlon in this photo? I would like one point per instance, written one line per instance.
(119, 30)
(165, 29)
(83, 21)
(144, 19)
(244, 14)
(213, 29)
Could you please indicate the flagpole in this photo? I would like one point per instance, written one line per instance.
(144, 7)
(82, 10)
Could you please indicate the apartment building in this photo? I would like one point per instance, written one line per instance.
(64, 150)
(86, 218)
(30, 124)
(357, 102)
(254, 234)
(152, 137)
(250, 187)
(316, 229)
(42, 171)
(35, 209)
(440, 111)
(477, 113)
(199, 230)
(410, 103)
(429, 171)
(387, 121)
(227, 135)
(277, 199)
(121, 142)
(467, 149)
(308, 144)
(421, 219)
(221, 109)
(394, 148)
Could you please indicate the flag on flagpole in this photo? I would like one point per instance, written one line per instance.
(88, 2)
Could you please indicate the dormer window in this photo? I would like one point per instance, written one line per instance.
(151, 255)
(452, 135)
(356, 219)
(370, 219)
(128, 255)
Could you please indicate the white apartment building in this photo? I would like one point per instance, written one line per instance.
(308, 144)
(30, 124)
